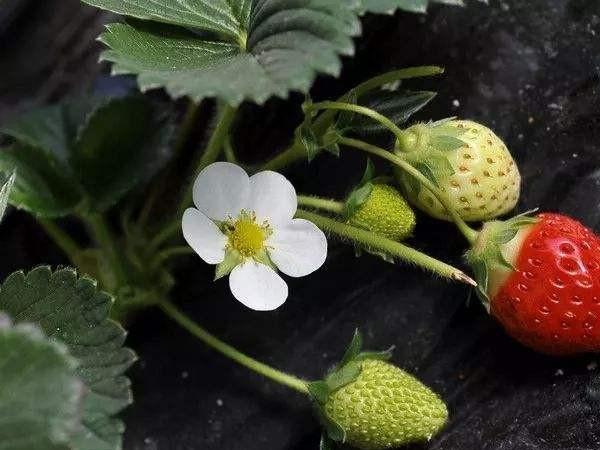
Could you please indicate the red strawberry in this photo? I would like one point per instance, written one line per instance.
(540, 277)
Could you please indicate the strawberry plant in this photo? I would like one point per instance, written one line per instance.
(128, 175)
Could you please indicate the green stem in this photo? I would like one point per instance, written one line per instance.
(170, 253)
(107, 242)
(212, 151)
(296, 151)
(469, 233)
(183, 136)
(262, 369)
(170, 231)
(340, 106)
(321, 203)
(229, 151)
(62, 239)
(394, 76)
(390, 247)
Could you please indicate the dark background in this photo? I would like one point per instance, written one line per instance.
(530, 69)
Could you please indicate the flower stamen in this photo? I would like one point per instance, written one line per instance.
(246, 236)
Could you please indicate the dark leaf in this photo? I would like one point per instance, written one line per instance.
(72, 311)
(41, 393)
(210, 49)
(84, 154)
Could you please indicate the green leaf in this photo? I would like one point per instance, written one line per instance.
(234, 50)
(397, 106)
(6, 183)
(42, 186)
(72, 311)
(389, 6)
(40, 393)
(84, 154)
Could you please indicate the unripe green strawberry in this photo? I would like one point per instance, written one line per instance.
(485, 182)
(385, 212)
(385, 408)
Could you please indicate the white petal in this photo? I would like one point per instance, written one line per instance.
(258, 286)
(298, 248)
(222, 190)
(272, 197)
(203, 236)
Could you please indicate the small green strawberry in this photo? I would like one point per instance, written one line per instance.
(468, 162)
(385, 212)
(373, 405)
(386, 408)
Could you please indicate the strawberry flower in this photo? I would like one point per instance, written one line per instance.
(245, 225)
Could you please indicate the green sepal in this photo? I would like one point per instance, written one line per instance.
(486, 254)
(425, 147)
(6, 184)
(312, 140)
(264, 258)
(360, 194)
(386, 355)
(353, 349)
(327, 443)
(375, 94)
(330, 427)
(319, 391)
(232, 259)
(343, 374)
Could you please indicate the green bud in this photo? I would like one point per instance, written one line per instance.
(384, 407)
(385, 212)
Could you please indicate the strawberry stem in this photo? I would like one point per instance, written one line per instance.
(230, 352)
(340, 106)
(469, 233)
(323, 204)
(392, 248)
(296, 152)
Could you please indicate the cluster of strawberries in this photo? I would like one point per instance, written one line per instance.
(539, 276)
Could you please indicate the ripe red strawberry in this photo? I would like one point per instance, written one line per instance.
(540, 277)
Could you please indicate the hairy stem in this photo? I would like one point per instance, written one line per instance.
(107, 242)
(363, 110)
(321, 203)
(171, 230)
(227, 350)
(393, 248)
(170, 253)
(469, 233)
(296, 151)
(183, 136)
(62, 239)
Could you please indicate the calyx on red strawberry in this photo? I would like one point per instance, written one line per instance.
(540, 278)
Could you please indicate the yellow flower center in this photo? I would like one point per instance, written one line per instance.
(246, 236)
